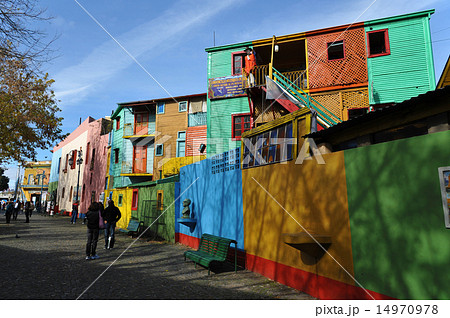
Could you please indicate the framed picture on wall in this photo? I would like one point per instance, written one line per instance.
(444, 178)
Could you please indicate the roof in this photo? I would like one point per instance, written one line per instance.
(445, 76)
(403, 109)
(324, 30)
(150, 101)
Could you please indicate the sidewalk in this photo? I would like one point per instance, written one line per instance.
(47, 261)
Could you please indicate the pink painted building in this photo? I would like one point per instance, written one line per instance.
(95, 157)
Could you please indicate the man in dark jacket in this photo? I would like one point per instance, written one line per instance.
(111, 215)
(93, 220)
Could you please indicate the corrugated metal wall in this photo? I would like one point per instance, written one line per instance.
(409, 70)
(195, 136)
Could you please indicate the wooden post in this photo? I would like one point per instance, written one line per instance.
(271, 57)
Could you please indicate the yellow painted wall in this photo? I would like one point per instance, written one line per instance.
(172, 166)
(125, 209)
(316, 197)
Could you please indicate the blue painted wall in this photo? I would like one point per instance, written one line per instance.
(54, 171)
(216, 197)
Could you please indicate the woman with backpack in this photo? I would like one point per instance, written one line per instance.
(93, 219)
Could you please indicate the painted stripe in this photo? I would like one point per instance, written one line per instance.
(310, 283)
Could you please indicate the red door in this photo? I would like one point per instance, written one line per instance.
(140, 159)
(141, 124)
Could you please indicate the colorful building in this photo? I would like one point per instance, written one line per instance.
(336, 72)
(35, 182)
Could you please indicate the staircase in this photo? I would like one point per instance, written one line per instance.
(324, 117)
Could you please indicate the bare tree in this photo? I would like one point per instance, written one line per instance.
(20, 34)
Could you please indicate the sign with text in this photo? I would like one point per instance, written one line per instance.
(225, 87)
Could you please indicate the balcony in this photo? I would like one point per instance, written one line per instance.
(144, 130)
(298, 77)
(138, 169)
(197, 119)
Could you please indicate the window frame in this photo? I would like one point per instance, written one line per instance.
(233, 54)
(117, 123)
(120, 200)
(116, 155)
(135, 199)
(386, 43)
(163, 106)
(233, 116)
(179, 104)
(74, 156)
(343, 50)
(160, 203)
(181, 140)
(156, 150)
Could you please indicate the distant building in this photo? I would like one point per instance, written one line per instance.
(35, 181)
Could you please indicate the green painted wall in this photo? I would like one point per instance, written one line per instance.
(219, 111)
(400, 245)
(409, 70)
(166, 227)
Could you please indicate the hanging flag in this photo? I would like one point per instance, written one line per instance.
(276, 91)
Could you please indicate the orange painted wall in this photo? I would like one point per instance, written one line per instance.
(323, 211)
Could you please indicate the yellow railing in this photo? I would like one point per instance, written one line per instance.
(261, 71)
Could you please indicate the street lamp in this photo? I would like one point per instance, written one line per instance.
(79, 162)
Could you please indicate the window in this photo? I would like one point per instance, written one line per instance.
(378, 43)
(335, 50)
(67, 162)
(116, 155)
(270, 146)
(119, 201)
(134, 200)
(88, 148)
(106, 183)
(70, 194)
(238, 62)
(62, 193)
(74, 161)
(159, 150)
(92, 160)
(444, 178)
(90, 180)
(59, 163)
(160, 108)
(118, 123)
(181, 144)
(182, 106)
(93, 196)
(31, 179)
(159, 200)
(240, 123)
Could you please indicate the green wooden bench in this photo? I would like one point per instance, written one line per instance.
(133, 227)
(212, 249)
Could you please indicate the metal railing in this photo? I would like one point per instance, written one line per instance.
(298, 77)
(127, 166)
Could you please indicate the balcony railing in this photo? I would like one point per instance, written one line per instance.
(140, 166)
(260, 72)
(197, 119)
(127, 167)
(143, 129)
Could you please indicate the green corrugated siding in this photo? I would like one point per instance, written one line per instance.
(409, 70)
(220, 110)
(166, 222)
(219, 124)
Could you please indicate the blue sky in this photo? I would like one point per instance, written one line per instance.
(168, 38)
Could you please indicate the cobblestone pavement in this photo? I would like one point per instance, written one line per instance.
(46, 261)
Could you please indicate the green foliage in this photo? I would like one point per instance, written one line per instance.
(4, 180)
(28, 112)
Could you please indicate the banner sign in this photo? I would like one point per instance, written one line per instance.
(225, 87)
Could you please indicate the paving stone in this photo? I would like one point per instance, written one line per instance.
(47, 261)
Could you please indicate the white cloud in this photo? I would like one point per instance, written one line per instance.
(76, 82)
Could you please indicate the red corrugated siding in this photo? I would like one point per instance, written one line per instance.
(195, 136)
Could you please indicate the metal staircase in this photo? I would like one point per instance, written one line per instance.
(324, 116)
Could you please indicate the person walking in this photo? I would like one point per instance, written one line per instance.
(73, 220)
(93, 219)
(27, 211)
(110, 216)
(16, 210)
(9, 211)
